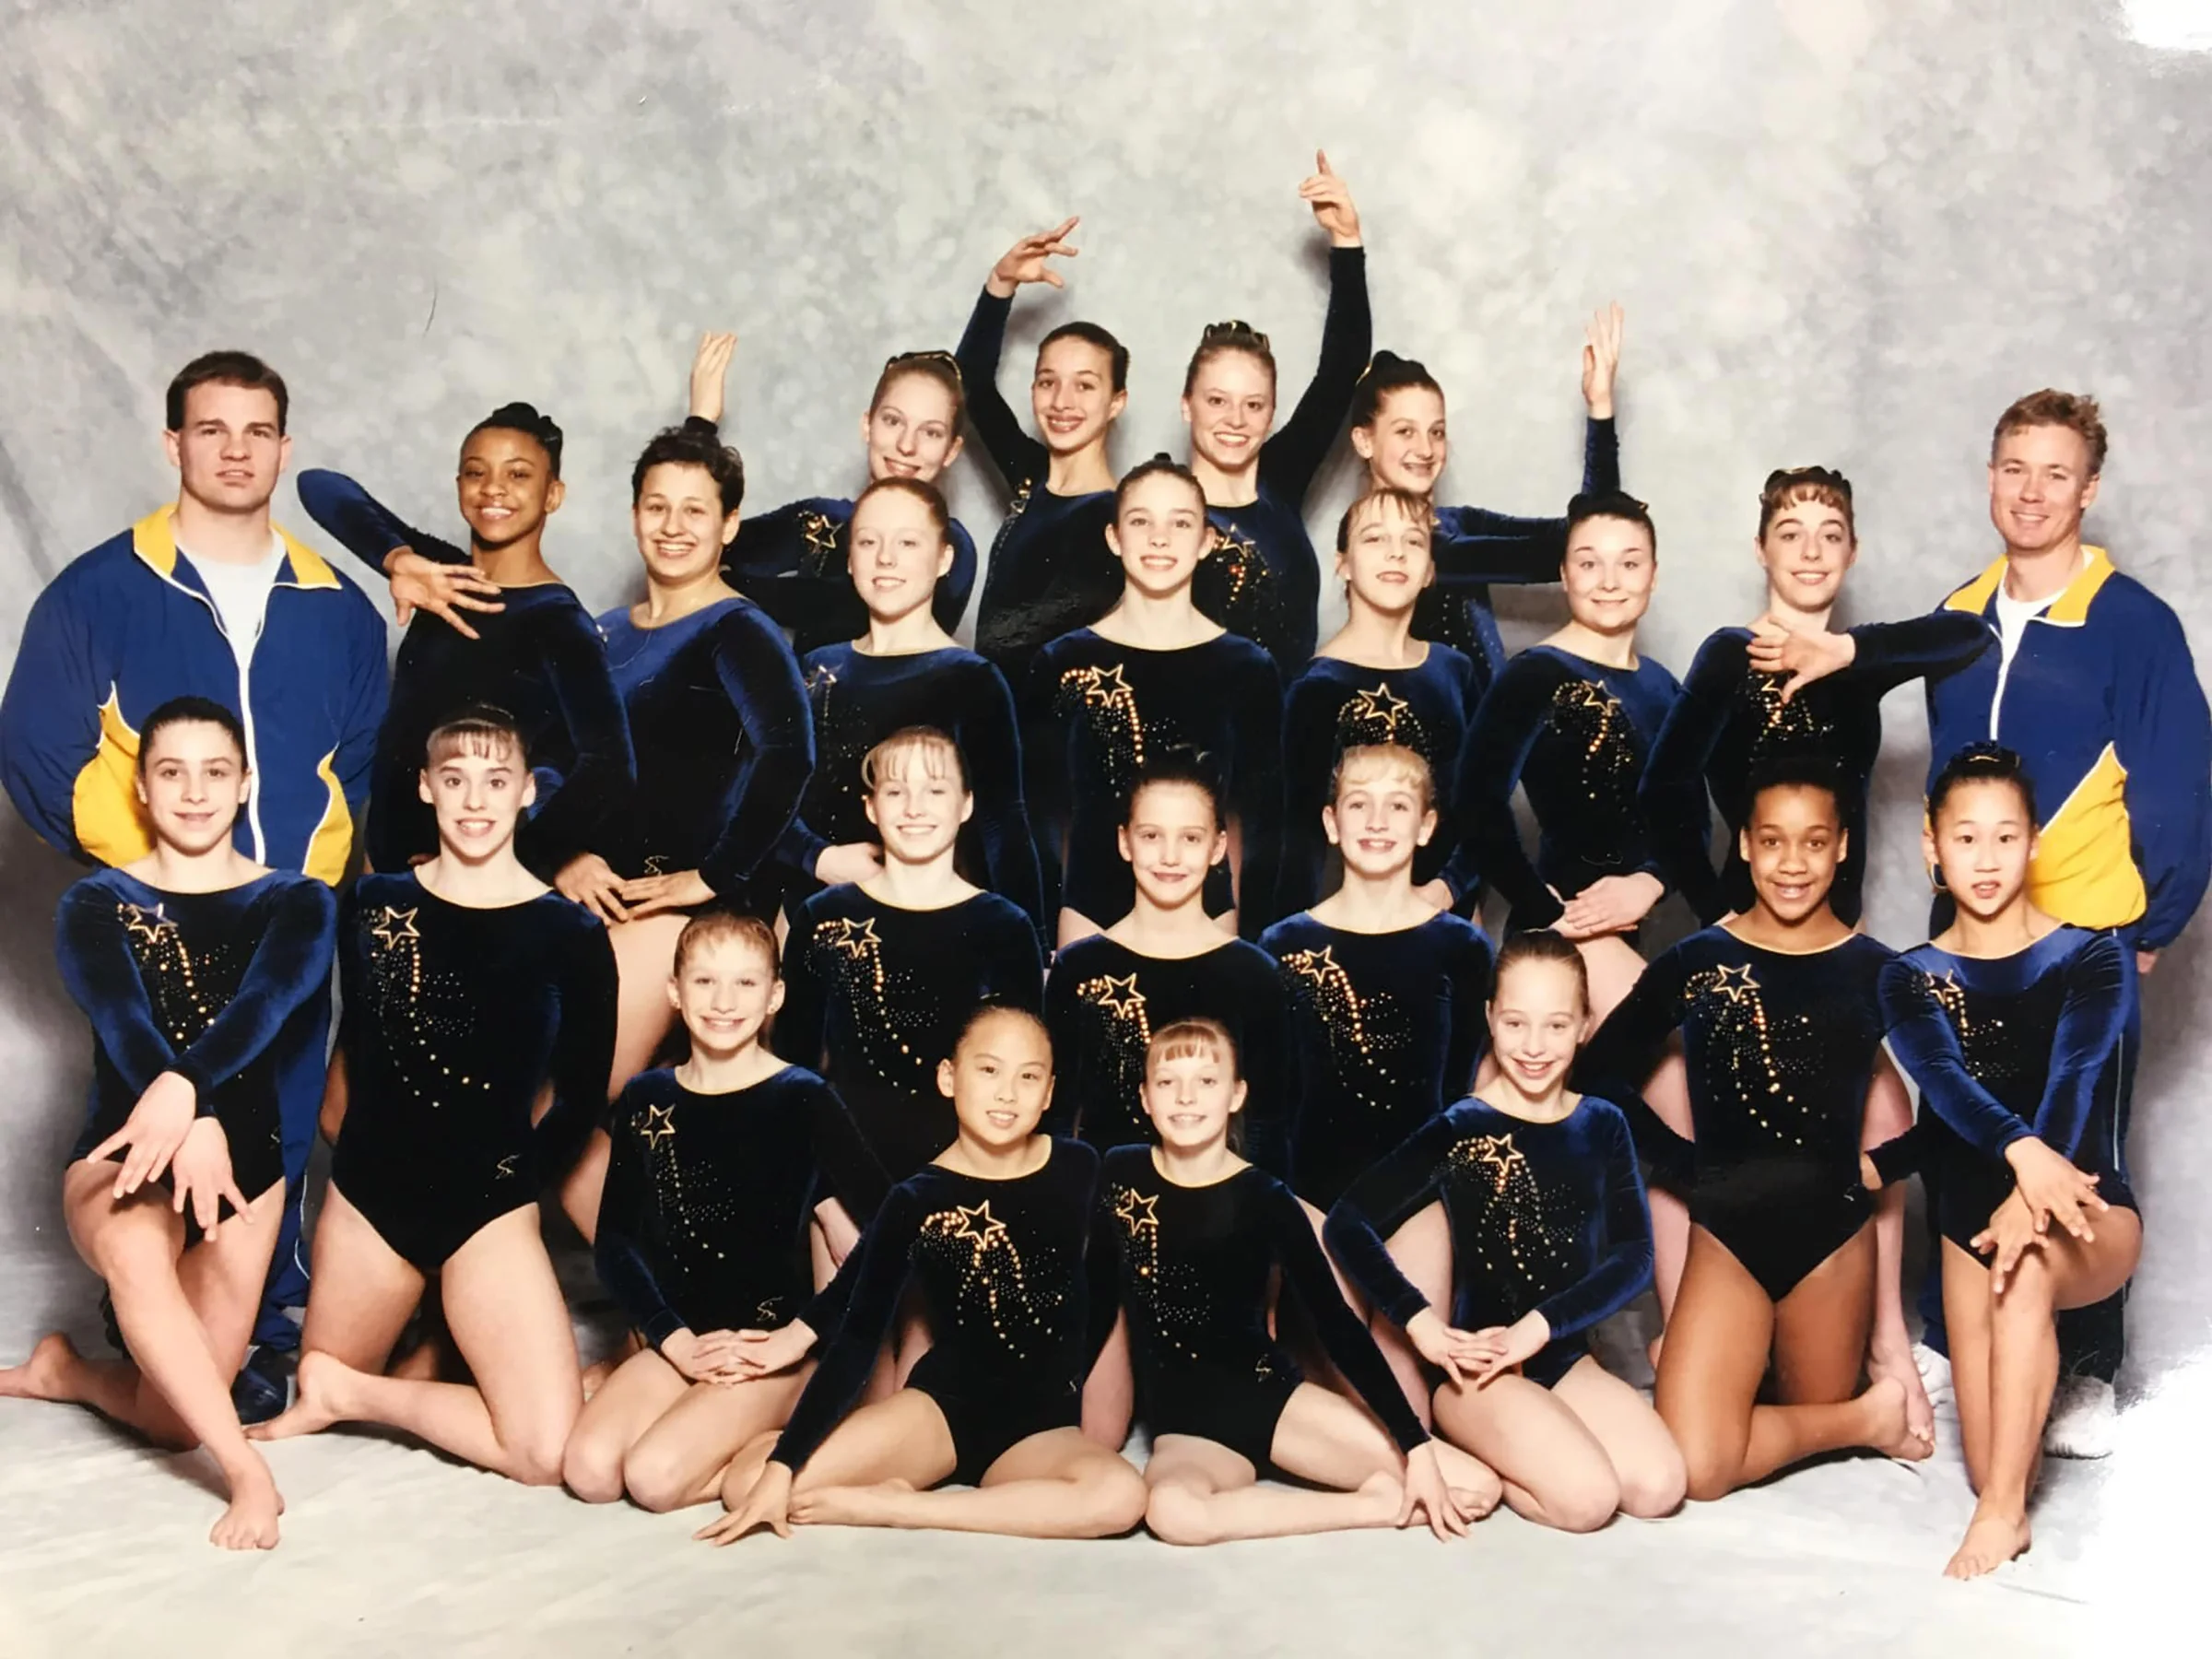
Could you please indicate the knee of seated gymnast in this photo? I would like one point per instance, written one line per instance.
(593, 1468)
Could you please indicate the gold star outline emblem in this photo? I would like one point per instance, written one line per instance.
(978, 1225)
(1735, 983)
(147, 925)
(1380, 705)
(397, 925)
(1116, 996)
(660, 1124)
(854, 939)
(1136, 1210)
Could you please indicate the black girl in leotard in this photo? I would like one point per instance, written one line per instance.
(792, 561)
(1375, 682)
(993, 1234)
(1195, 1236)
(1167, 961)
(500, 628)
(1386, 993)
(469, 986)
(2021, 1033)
(882, 973)
(1549, 1236)
(1261, 580)
(1398, 429)
(1781, 1029)
(904, 670)
(1570, 721)
(1737, 711)
(1152, 675)
(720, 1168)
(718, 721)
(205, 977)
(1049, 569)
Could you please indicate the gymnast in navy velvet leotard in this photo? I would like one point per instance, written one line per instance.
(1545, 1218)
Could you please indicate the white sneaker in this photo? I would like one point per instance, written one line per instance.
(1935, 1373)
(2082, 1415)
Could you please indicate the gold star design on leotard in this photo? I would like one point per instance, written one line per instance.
(821, 677)
(149, 925)
(978, 1225)
(1497, 1153)
(1120, 995)
(1136, 1211)
(1105, 684)
(396, 925)
(1380, 705)
(660, 1124)
(1735, 983)
(854, 939)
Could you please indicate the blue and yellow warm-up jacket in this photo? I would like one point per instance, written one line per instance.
(128, 625)
(2102, 704)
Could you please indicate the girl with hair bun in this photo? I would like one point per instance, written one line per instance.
(2020, 1032)
(1398, 429)
(1261, 580)
(499, 628)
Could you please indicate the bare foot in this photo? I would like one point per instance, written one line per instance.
(43, 1376)
(251, 1521)
(1920, 1416)
(1888, 1431)
(315, 1407)
(850, 1506)
(1470, 1481)
(1991, 1541)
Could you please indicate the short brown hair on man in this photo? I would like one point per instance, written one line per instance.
(2072, 410)
(226, 369)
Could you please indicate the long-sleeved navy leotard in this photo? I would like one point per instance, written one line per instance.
(703, 1220)
(875, 997)
(1474, 548)
(859, 700)
(1335, 705)
(1546, 1219)
(227, 989)
(540, 659)
(1000, 1269)
(1094, 709)
(1388, 1026)
(454, 1019)
(718, 721)
(1049, 569)
(1195, 1266)
(1103, 1001)
(1730, 719)
(1573, 734)
(1261, 580)
(2036, 1043)
(1781, 1049)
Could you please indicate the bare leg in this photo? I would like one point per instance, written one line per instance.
(2022, 1372)
(512, 1328)
(187, 1317)
(1889, 1348)
(1422, 1248)
(1645, 1459)
(683, 1458)
(586, 1180)
(1053, 1485)
(1110, 1392)
(1966, 1319)
(1555, 1471)
(1201, 1492)
(620, 1410)
(364, 1291)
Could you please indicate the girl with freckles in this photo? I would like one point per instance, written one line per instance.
(2018, 1030)
(1049, 569)
(1153, 673)
(1544, 1209)
(792, 561)
(1263, 580)
(993, 1232)
(1781, 1027)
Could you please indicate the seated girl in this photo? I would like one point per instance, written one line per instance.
(205, 977)
(2018, 1031)
(993, 1232)
(1549, 1235)
(1197, 1235)
(470, 985)
(718, 1170)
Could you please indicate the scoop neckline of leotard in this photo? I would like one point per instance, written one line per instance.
(1581, 1100)
(701, 1094)
(1427, 654)
(1772, 950)
(1226, 940)
(704, 610)
(1591, 662)
(428, 891)
(1051, 1152)
(145, 886)
(1388, 932)
(2057, 927)
(1155, 650)
(1152, 1157)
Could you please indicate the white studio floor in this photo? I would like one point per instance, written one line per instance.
(391, 1549)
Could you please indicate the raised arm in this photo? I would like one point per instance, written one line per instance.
(1289, 459)
(1018, 457)
(423, 571)
(1341, 1331)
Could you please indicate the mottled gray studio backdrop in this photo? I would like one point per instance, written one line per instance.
(1845, 231)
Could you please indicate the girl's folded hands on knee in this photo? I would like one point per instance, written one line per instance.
(2047, 1182)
